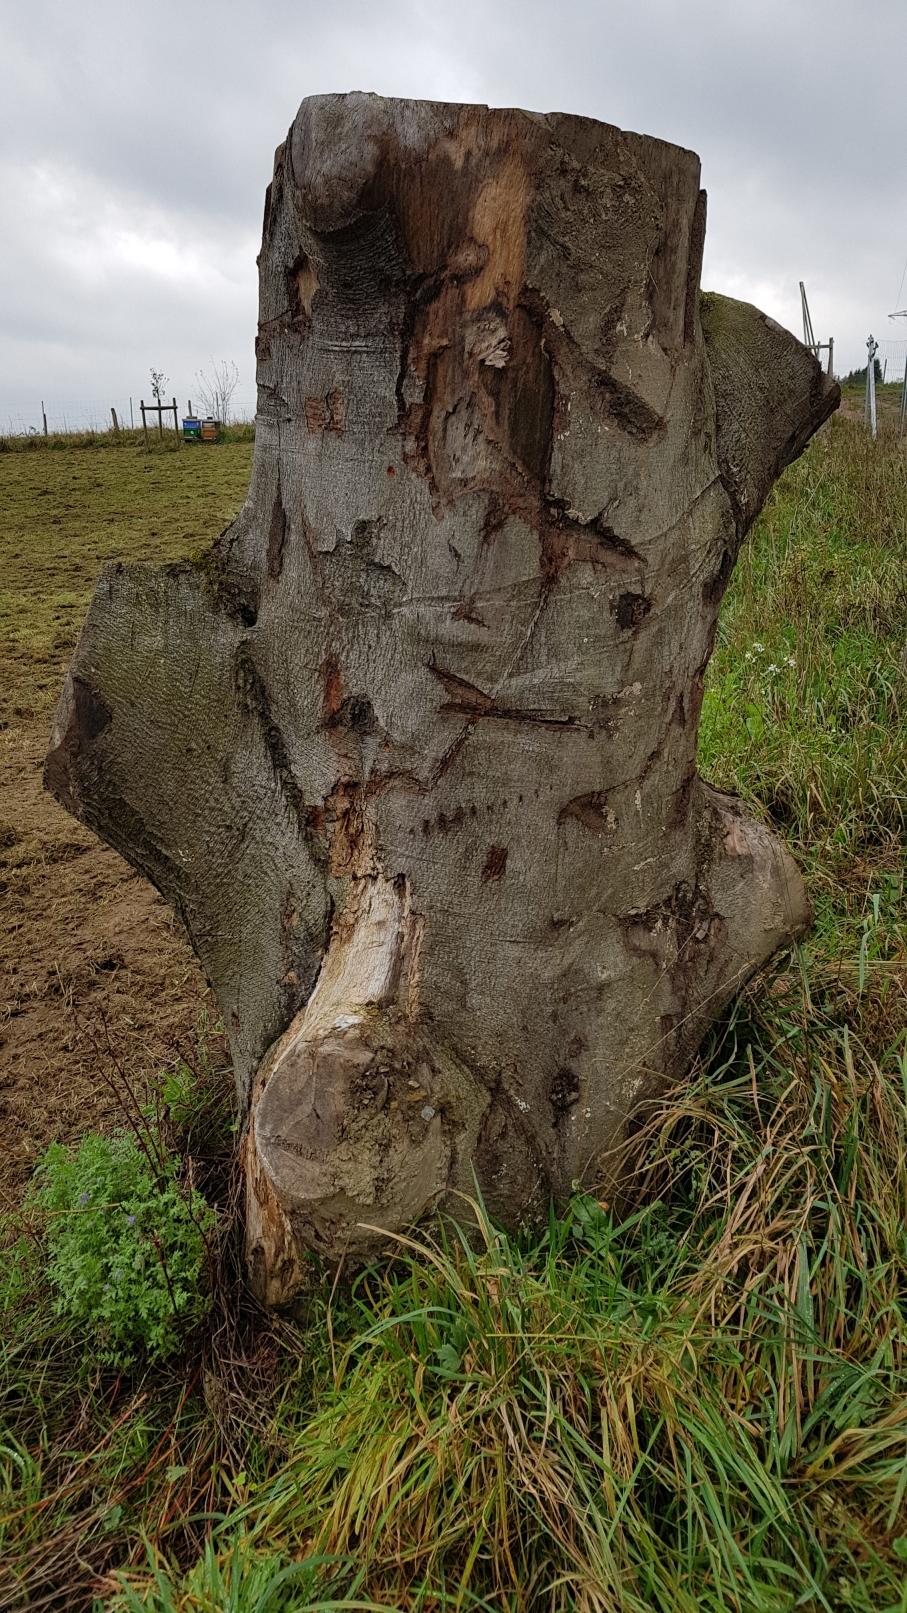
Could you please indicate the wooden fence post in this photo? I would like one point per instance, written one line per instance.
(113, 416)
(176, 429)
(144, 423)
(44, 417)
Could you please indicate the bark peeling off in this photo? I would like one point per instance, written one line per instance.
(413, 749)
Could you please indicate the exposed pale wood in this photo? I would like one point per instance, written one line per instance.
(413, 750)
(355, 1105)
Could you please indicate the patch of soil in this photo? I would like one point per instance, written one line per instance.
(94, 970)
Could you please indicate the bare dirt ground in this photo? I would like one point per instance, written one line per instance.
(95, 972)
(93, 969)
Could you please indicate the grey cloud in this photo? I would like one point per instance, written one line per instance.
(157, 125)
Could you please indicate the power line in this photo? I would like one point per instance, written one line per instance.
(897, 299)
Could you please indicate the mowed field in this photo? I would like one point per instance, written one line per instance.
(694, 1401)
(92, 965)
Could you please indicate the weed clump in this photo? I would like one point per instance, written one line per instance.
(125, 1245)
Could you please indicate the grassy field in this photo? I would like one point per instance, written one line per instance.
(88, 955)
(73, 504)
(697, 1402)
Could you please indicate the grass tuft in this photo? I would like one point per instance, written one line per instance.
(689, 1401)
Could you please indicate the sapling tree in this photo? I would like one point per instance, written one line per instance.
(216, 389)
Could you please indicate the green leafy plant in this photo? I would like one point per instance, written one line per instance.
(125, 1244)
(194, 1100)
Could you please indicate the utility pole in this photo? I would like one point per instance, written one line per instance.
(869, 406)
(901, 313)
(809, 335)
(809, 339)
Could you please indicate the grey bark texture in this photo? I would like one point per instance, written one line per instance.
(412, 749)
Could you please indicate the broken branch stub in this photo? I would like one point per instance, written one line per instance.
(412, 750)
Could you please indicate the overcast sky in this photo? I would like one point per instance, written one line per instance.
(136, 141)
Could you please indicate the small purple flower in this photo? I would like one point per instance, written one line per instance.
(130, 1220)
(84, 1197)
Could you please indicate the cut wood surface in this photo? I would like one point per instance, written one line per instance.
(412, 750)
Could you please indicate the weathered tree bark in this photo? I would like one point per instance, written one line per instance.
(412, 750)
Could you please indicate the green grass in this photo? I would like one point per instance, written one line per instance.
(695, 1399)
(64, 441)
(67, 512)
(818, 746)
(695, 1402)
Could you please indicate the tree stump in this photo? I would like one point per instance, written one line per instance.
(412, 749)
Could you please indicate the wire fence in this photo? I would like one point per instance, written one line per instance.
(892, 356)
(32, 416)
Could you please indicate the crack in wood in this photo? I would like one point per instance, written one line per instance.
(252, 692)
(471, 701)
